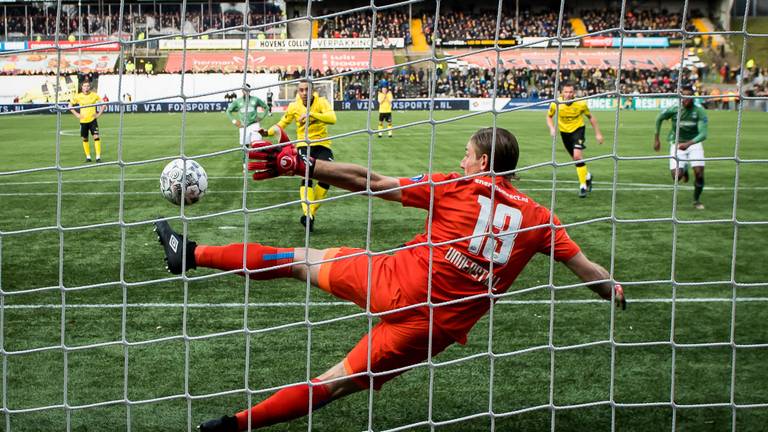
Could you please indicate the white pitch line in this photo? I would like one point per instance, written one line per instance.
(286, 191)
(108, 180)
(157, 192)
(133, 132)
(339, 303)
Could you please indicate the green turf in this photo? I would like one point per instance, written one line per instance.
(143, 353)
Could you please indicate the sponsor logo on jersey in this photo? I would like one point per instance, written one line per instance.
(509, 196)
(418, 178)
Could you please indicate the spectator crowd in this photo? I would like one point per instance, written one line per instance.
(389, 24)
(597, 20)
(457, 25)
(32, 22)
(453, 25)
(513, 83)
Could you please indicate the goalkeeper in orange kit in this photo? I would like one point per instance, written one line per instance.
(482, 234)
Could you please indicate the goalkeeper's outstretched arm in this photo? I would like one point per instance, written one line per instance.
(268, 160)
(589, 271)
(354, 178)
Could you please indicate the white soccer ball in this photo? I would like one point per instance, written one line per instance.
(194, 178)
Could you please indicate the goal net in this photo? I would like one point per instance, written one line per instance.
(95, 335)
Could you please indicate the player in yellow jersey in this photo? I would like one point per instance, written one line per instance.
(385, 110)
(570, 122)
(312, 125)
(88, 116)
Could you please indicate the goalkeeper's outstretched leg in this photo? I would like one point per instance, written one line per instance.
(398, 341)
(394, 286)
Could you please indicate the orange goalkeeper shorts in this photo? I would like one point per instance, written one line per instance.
(400, 339)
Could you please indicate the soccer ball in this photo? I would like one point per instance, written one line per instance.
(173, 175)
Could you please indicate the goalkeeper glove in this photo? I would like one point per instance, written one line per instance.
(269, 161)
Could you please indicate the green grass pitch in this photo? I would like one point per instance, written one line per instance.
(178, 366)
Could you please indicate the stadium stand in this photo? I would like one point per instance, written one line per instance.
(31, 21)
(388, 24)
(417, 29)
(34, 21)
(458, 25)
(515, 83)
(597, 20)
(418, 38)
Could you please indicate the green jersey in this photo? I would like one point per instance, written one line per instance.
(693, 123)
(247, 111)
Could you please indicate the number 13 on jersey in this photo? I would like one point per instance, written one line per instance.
(506, 223)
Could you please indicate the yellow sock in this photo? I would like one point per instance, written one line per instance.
(306, 193)
(390, 129)
(581, 171)
(381, 126)
(320, 193)
(97, 145)
(87, 149)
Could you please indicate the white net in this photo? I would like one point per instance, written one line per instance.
(93, 336)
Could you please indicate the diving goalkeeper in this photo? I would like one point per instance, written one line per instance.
(482, 234)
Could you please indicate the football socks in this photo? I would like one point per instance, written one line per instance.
(698, 187)
(581, 171)
(259, 257)
(87, 149)
(287, 404)
(307, 193)
(320, 191)
(97, 145)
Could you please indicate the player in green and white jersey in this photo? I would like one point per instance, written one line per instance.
(686, 148)
(244, 113)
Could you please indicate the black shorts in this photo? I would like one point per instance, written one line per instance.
(317, 152)
(574, 140)
(385, 117)
(92, 127)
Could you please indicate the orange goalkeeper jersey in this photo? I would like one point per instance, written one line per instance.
(464, 215)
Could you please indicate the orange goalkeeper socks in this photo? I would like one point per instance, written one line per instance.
(259, 257)
(287, 404)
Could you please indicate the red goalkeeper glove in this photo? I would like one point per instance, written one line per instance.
(269, 161)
